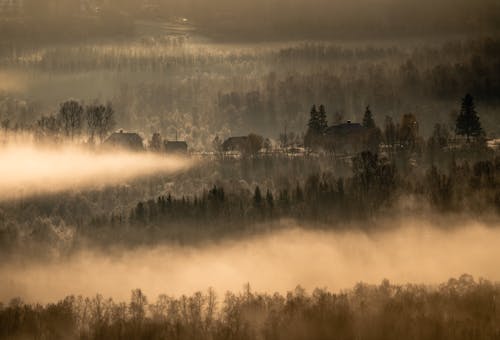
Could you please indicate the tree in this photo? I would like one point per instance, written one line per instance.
(100, 121)
(255, 143)
(317, 121)
(317, 126)
(108, 122)
(71, 117)
(48, 128)
(156, 142)
(368, 121)
(268, 145)
(269, 198)
(313, 124)
(322, 121)
(390, 132)
(468, 123)
(438, 142)
(257, 197)
(94, 114)
(408, 131)
(138, 303)
(217, 144)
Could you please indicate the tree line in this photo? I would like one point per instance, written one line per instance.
(74, 120)
(405, 136)
(234, 94)
(461, 308)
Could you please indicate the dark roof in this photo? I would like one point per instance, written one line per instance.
(176, 146)
(234, 143)
(127, 140)
(236, 139)
(345, 129)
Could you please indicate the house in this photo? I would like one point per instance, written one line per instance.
(176, 147)
(239, 144)
(346, 137)
(125, 140)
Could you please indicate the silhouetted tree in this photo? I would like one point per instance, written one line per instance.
(217, 145)
(257, 197)
(71, 116)
(255, 143)
(390, 132)
(322, 121)
(468, 123)
(408, 131)
(269, 198)
(48, 128)
(100, 121)
(316, 127)
(156, 142)
(368, 121)
(314, 124)
(437, 142)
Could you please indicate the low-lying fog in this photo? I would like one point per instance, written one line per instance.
(26, 170)
(412, 252)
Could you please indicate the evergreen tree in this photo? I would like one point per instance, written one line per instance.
(322, 122)
(317, 127)
(468, 123)
(368, 121)
(314, 124)
(257, 197)
(269, 198)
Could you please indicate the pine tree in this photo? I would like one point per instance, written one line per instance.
(314, 125)
(269, 198)
(368, 121)
(322, 122)
(257, 197)
(468, 123)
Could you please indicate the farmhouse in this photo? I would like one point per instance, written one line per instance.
(176, 147)
(239, 144)
(125, 140)
(346, 137)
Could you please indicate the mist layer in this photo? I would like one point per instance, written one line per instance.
(26, 170)
(416, 252)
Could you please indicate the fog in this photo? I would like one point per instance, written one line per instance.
(412, 251)
(27, 170)
(277, 19)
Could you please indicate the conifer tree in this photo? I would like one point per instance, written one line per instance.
(257, 197)
(314, 125)
(368, 121)
(322, 122)
(468, 123)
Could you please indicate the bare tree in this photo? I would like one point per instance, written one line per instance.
(100, 121)
(155, 144)
(71, 117)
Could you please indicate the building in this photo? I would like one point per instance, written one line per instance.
(125, 140)
(346, 137)
(176, 147)
(236, 144)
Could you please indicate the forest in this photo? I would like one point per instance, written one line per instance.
(200, 91)
(396, 171)
(461, 308)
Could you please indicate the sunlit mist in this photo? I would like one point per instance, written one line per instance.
(278, 261)
(26, 170)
